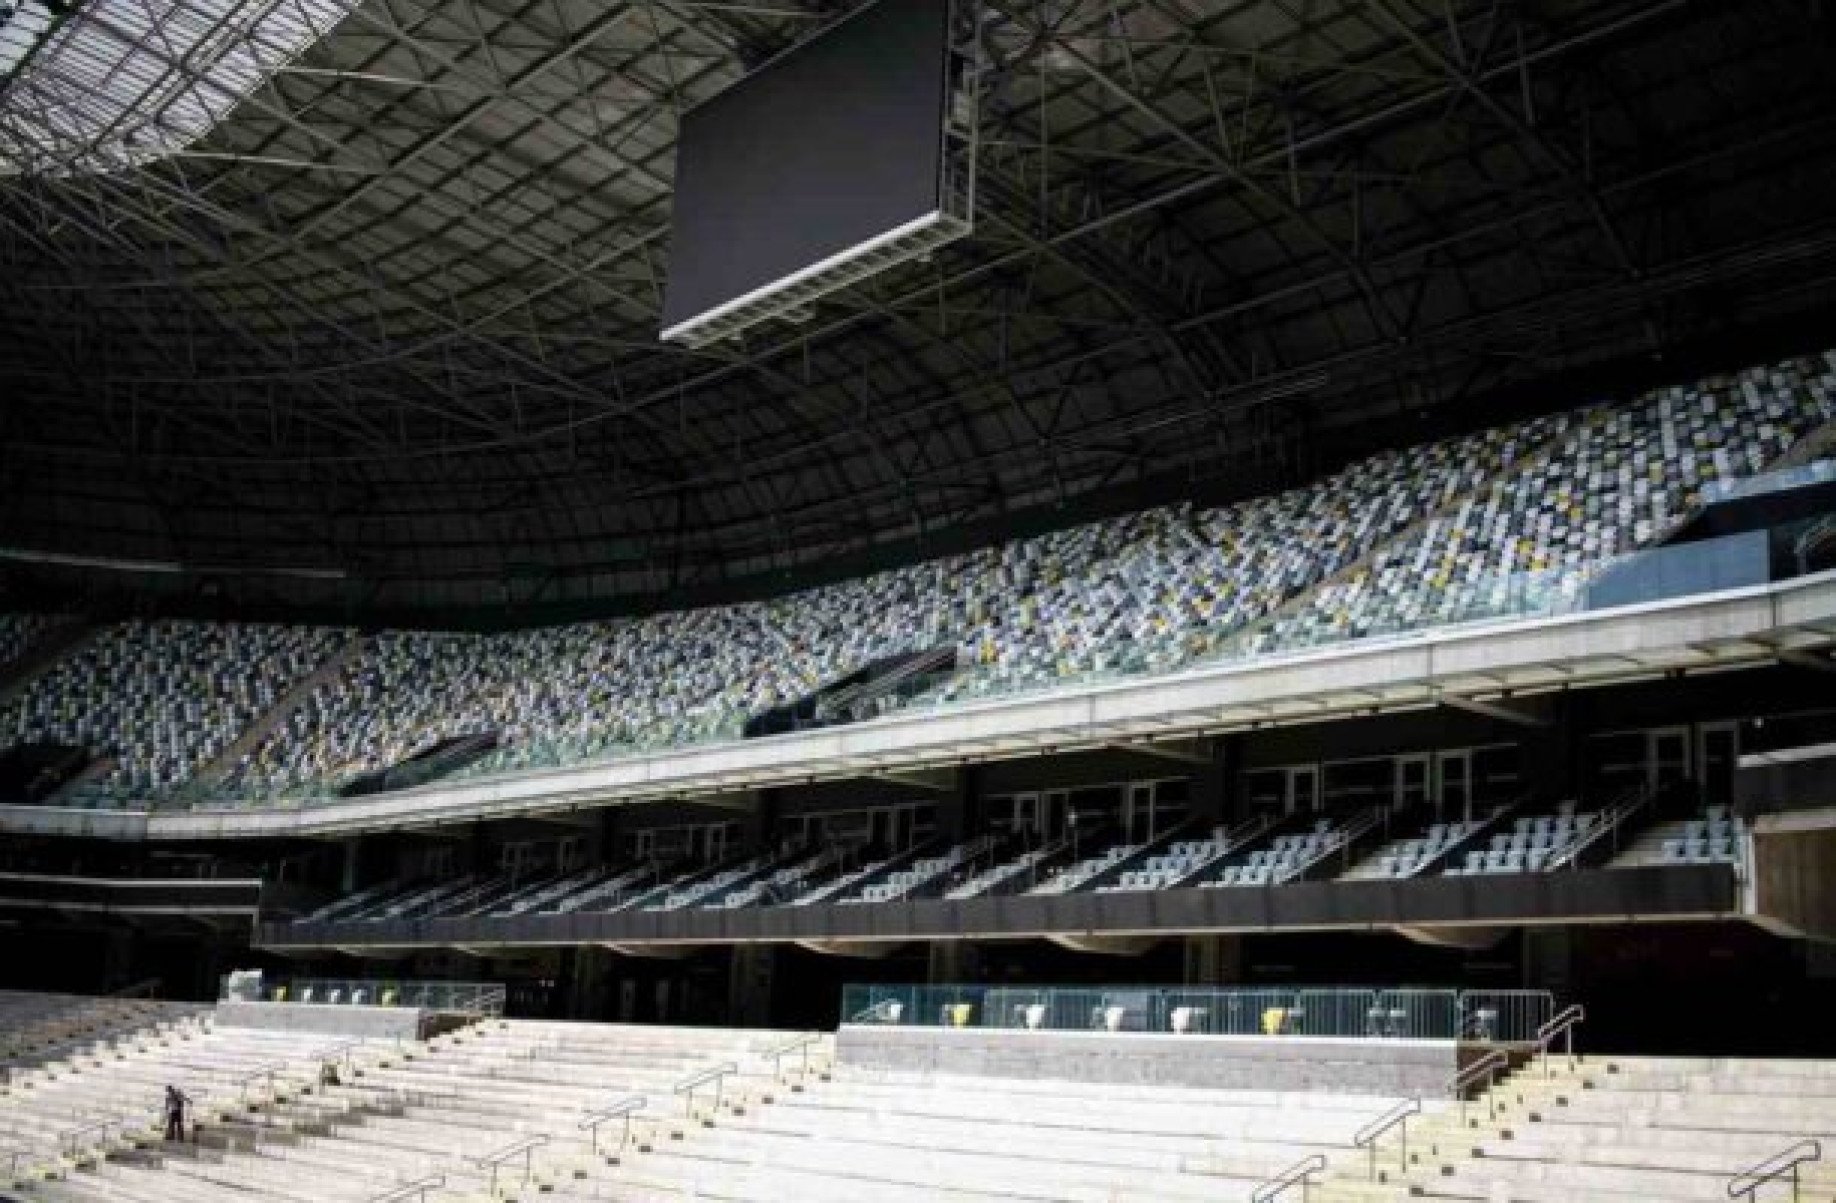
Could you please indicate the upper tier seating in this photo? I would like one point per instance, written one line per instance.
(163, 698)
(1620, 479)
(1713, 837)
(1707, 840)
(1533, 843)
(1405, 857)
(1501, 521)
(19, 632)
(1286, 858)
(1074, 876)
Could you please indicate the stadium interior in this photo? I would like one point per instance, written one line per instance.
(910, 599)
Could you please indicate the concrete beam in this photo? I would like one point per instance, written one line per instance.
(1497, 710)
(1180, 751)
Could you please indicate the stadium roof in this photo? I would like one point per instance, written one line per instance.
(385, 329)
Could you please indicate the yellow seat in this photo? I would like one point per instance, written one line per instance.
(1272, 1019)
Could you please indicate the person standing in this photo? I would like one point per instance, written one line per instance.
(176, 1102)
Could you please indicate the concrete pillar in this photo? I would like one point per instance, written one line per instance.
(749, 985)
(1229, 757)
(1211, 784)
(957, 806)
(607, 833)
(768, 807)
(1213, 960)
(353, 860)
(951, 962)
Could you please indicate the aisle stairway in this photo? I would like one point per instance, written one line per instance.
(1612, 1130)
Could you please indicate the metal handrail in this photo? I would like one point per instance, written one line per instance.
(70, 1141)
(1299, 1174)
(336, 1054)
(624, 1109)
(796, 1044)
(265, 1071)
(494, 1161)
(1563, 1025)
(1367, 1136)
(716, 1074)
(1748, 1181)
(1486, 1068)
(416, 1190)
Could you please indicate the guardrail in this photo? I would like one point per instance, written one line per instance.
(268, 1071)
(691, 1085)
(1564, 1026)
(1396, 1117)
(414, 1190)
(1748, 1182)
(13, 1157)
(797, 1044)
(624, 1109)
(1487, 1016)
(1299, 1174)
(471, 998)
(68, 1139)
(336, 1054)
(525, 1148)
(1486, 1069)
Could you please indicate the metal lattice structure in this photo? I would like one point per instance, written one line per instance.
(389, 328)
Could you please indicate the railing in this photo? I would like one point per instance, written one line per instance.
(336, 1054)
(268, 1072)
(1486, 1069)
(1773, 1168)
(624, 1109)
(797, 1044)
(524, 1148)
(414, 1190)
(691, 1085)
(1495, 1017)
(471, 998)
(1299, 1174)
(71, 1138)
(13, 1158)
(1396, 1117)
(1562, 1025)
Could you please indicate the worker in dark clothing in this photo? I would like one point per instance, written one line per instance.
(176, 1102)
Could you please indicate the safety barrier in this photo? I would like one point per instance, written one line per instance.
(1505, 1017)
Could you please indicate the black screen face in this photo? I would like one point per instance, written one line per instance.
(821, 150)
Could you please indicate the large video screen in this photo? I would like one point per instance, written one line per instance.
(836, 143)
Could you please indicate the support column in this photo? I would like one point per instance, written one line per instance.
(957, 806)
(1211, 784)
(353, 859)
(749, 985)
(1213, 960)
(951, 962)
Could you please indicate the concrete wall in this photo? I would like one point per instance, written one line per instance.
(1305, 1063)
(1794, 868)
(370, 1023)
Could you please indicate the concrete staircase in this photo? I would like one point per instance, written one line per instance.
(1611, 1130)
